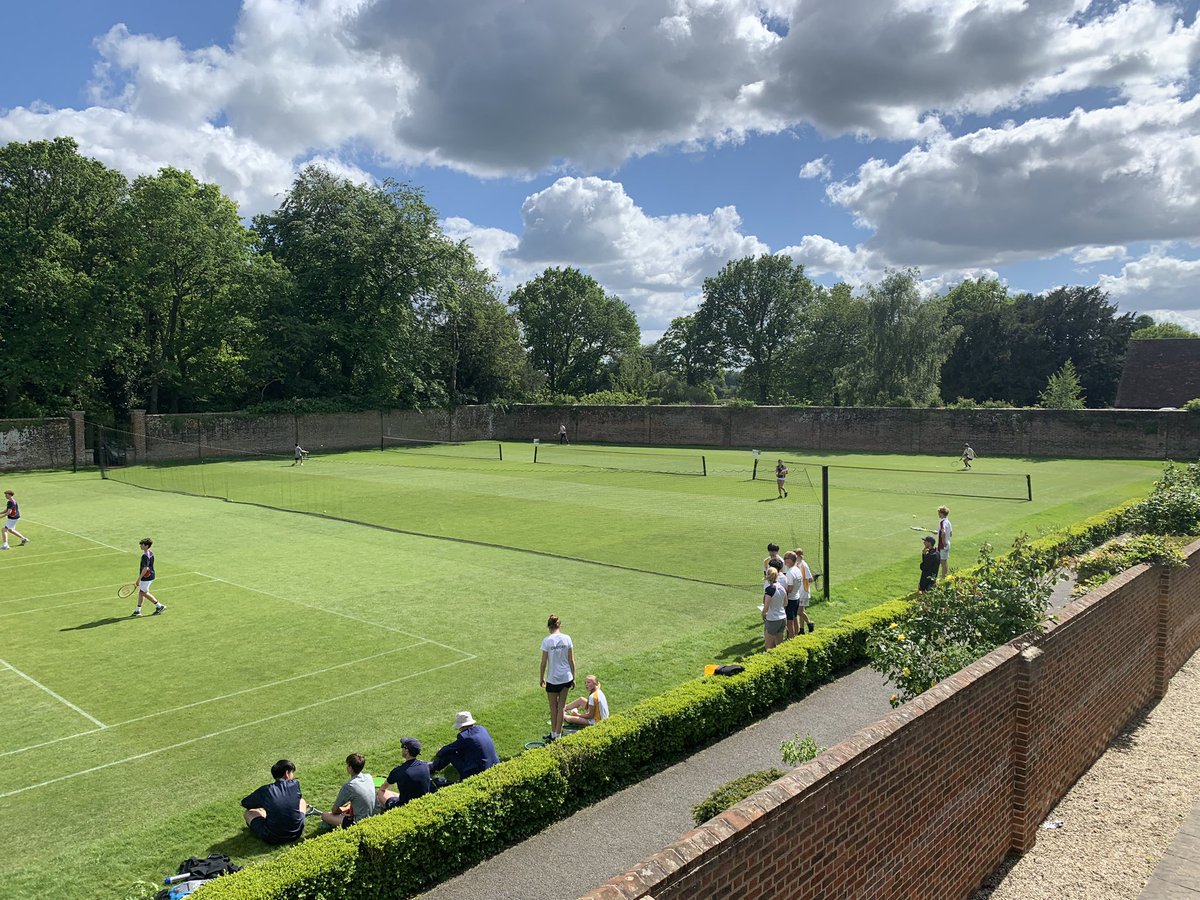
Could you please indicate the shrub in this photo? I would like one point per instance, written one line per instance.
(1173, 506)
(732, 793)
(1122, 553)
(612, 398)
(798, 751)
(1192, 406)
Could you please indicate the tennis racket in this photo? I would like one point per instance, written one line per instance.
(126, 590)
(919, 528)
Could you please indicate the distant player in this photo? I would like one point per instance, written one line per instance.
(146, 577)
(945, 531)
(781, 474)
(12, 515)
(967, 455)
(300, 453)
(562, 435)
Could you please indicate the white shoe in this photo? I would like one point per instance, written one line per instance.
(136, 612)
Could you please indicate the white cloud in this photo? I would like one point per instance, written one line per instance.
(817, 168)
(1157, 281)
(1189, 320)
(1103, 177)
(1086, 256)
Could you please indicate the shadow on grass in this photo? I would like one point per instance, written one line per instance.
(107, 620)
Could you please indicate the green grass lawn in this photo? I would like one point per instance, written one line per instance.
(129, 742)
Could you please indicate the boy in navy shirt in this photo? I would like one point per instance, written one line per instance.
(410, 779)
(276, 812)
(12, 515)
(145, 577)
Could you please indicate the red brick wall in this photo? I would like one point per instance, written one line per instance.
(35, 443)
(927, 801)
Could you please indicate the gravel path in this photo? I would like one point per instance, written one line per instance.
(1123, 813)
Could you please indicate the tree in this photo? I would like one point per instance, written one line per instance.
(686, 352)
(750, 310)
(193, 273)
(572, 329)
(360, 258)
(827, 339)
(1162, 331)
(63, 310)
(979, 365)
(1063, 390)
(904, 345)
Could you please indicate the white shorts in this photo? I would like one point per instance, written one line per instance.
(944, 555)
(145, 585)
(11, 524)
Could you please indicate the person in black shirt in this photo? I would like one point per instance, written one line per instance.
(145, 577)
(276, 812)
(930, 560)
(12, 515)
(410, 779)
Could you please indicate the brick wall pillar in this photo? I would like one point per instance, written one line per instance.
(78, 438)
(1162, 649)
(137, 424)
(1024, 816)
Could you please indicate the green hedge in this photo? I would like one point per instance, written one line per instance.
(398, 854)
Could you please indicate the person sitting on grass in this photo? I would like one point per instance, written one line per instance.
(356, 799)
(594, 705)
(276, 812)
(470, 753)
(407, 781)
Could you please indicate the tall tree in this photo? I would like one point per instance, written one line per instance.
(63, 312)
(749, 310)
(829, 338)
(572, 329)
(193, 274)
(684, 351)
(903, 347)
(979, 366)
(359, 257)
(1063, 390)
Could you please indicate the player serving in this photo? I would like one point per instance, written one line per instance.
(145, 578)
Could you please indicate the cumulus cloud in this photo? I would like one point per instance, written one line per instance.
(1105, 177)
(817, 168)
(1086, 256)
(1157, 281)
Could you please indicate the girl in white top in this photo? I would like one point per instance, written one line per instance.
(774, 610)
(557, 674)
(804, 581)
(945, 531)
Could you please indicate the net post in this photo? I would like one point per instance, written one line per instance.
(1029, 487)
(703, 465)
(500, 448)
(535, 448)
(754, 474)
(101, 452)
(825, 526)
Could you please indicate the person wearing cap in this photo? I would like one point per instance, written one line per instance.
(356, 800)
(407, 781)
(930, 560)
(470, 753)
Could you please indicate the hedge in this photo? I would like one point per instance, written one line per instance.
(397, 854)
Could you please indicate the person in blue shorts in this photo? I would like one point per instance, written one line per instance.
(145, 578)
(12, 515)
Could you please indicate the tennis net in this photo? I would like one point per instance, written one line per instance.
(917, 482)
(649, 461)
(449, 449)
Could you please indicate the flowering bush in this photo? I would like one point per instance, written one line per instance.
(963, 618)
(1173, 507)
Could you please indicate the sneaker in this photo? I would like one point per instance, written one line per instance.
(811, 626)
(24, 541)
(5, 547)
(136, 612)
(158, 609)
(785, 495)
(548, 738)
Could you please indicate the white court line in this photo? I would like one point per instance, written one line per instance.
(76, 550)
(38, 609)
(63, 700)
(249, 690)
(334, 612)
(231, 728)
(41, 561)
(80, 536)
(98, 587)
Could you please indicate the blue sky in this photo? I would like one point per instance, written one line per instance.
(651, 141)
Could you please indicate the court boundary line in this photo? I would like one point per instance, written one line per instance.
(228, 730)
(99, 551)
(99, 587)
(76, 550)
(82, 537)
(57, 697)
(37, 609)
(217, 699)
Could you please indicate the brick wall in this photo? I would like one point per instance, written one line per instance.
(927, 801)
(35, 443)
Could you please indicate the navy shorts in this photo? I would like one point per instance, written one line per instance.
(259, 826)
(552, 688)
(792, 608)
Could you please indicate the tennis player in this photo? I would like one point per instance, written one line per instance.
(300, 452)
(12, 515)
(967, 455)
(146, 578)
(945, 531)
(781, 473)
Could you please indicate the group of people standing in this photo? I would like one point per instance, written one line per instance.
(787, 591)
(935, 555)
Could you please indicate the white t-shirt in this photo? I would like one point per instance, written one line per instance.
(597, 701)
(775, 597)
(945, 532)
(558, 666)
(779, 565)
(801, 575)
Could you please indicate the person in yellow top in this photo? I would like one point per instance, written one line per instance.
(594, 705)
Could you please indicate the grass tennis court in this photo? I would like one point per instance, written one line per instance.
(128, 743)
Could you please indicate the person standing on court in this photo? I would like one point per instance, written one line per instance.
(557, 673)
(146, 578)
(967, 455)
(781, 474)
(12, 515)
(930, 558)
(945, 531)
(299, 454)
(562, 435)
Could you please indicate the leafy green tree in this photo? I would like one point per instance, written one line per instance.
(750, 310)
(63, 310)
(980, 363)
(633, 372)
(686, 352)
(904, 345)
(572, 329)
(192, 271)
(828, 338)
(1063, 390)
(1162, 331)
(360, 257)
